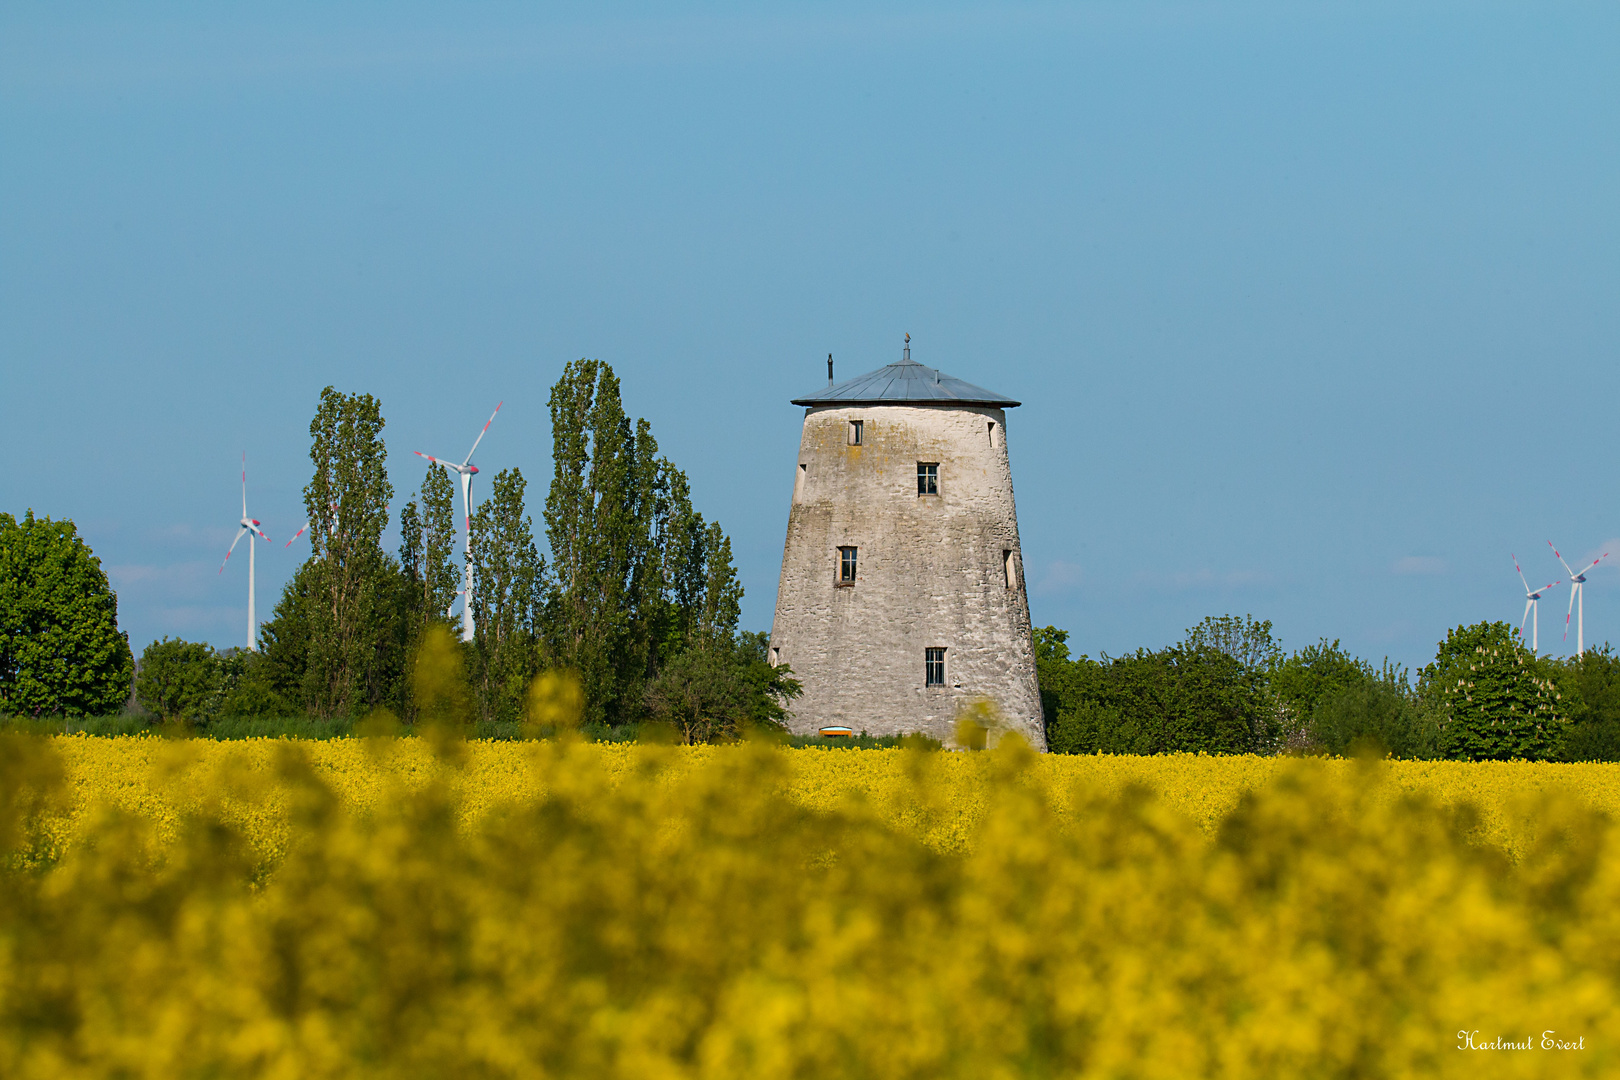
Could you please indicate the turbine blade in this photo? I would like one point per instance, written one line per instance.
(1574, 590)
(239, 531)
(296, 535)
(1528, 604)
(1515, 559)
(244, 483)
(1560, 558)
(480, 438)
(452, 466)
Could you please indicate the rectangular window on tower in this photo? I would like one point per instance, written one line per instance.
(856, 432)
(1010, 568)
(846, 565)
(928, 478)
(934, 667)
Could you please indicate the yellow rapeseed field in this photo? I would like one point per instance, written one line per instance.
(374, 907)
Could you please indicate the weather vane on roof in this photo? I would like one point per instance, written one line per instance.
(908, 348)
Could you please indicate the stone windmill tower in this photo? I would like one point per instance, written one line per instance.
(902, 591)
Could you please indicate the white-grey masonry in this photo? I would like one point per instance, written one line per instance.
(903, 483)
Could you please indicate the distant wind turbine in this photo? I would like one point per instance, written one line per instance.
(466, 470)
(246, 526)
(1530, 598)
(1577, 599)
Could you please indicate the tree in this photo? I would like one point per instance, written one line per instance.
(507, 578)
(636, 575)
(1243, 638)
(354, 656)
(1378, 713)
(720, 688)
(722, 592)
(427, 550)
(1590, 687)
(1492, 697)
(1195, 696)
(178, 680)
(1313, 673)
(61, 651)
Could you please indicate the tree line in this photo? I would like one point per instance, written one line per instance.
(639, 598)
(1228, 687)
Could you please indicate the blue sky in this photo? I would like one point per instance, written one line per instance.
(1311, 306)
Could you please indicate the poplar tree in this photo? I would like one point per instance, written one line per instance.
(636, 572)
(353, 651)
(507, 575)
(427, 550)
(427, 546)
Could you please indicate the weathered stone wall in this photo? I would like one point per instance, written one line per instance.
(931, 573)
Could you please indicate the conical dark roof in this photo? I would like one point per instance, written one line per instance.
(905, 382)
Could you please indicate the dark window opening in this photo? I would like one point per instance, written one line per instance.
(846, 565)
(1010, 569)
(991, 431)
(934, 667)
(856, 432)
(928, 478)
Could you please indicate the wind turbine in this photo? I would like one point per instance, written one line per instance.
(245, 526)
(466, 470)
(1577, 599)
(1530, 611)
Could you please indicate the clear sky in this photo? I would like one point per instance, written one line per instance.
(1312, 306)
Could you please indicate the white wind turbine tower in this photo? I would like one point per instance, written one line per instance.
(466, 470)
(1577, 599)
(245, 526)
(1530, 610)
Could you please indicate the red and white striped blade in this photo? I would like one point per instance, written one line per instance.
(240, 530)
(296, 535)
(480, 438)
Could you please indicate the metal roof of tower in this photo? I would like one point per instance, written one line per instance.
(904, 382)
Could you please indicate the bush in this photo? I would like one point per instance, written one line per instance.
(719, 689)
(178, 680)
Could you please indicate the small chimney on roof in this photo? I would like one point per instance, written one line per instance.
(907, 354)
(829, 369)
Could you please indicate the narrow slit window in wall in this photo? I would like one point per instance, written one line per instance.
(776, 656)
(846, 565)
(991, 431)
(928, 478)
(798, 482)
(934, 667)
(1010, 568)
(857, 431)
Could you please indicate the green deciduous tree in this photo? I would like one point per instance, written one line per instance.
(427, 550)
(338, 627)
(1493, 698)
(508, 576)
(636, 575)
(178, 680)
(61, 651)
(721, 688)
(1590, 687)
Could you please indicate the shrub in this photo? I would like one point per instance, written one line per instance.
(178, 680)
